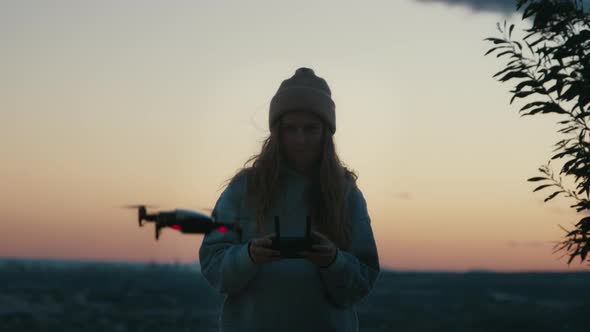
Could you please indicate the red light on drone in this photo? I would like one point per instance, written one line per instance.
(222, 229)
(176, 227)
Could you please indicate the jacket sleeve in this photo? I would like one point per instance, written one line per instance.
(225, 262)
(354, 271)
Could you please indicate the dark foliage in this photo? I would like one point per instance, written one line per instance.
(556, 75)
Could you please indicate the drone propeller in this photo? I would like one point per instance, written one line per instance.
(135, 206)
(141, 211)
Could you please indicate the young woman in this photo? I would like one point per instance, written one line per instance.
(297, 174)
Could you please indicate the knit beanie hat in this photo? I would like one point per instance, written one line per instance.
(306, 92)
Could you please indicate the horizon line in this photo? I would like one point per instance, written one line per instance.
(196, 265)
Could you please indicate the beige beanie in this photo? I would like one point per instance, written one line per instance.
(307, 92)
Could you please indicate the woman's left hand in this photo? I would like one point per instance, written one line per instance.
(323, 251)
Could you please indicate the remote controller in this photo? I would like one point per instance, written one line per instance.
(289, 246)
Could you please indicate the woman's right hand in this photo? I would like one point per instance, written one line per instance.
(260, 250)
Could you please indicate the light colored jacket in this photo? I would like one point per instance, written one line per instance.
(289, 294)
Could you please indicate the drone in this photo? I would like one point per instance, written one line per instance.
(185, 221)
(194, 222)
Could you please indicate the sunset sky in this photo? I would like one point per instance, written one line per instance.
(107, 103)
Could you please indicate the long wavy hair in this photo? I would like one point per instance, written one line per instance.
(329, 187)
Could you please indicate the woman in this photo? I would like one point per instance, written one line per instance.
(297, 173)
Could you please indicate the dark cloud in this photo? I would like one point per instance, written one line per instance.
(502, 6)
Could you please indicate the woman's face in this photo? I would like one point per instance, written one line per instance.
(301, 136)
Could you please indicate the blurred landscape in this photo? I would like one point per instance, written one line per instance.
(38, 295)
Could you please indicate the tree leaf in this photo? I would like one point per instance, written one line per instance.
(492, 49)
(504, 53)
(570, 259)
(552, 195)
(522, 94)
(513, 74)
(524, 84)
(496, 40)
(584, 222)
(538, 178)
(505, 70)
(543, 186)
(552, 107)
(533, 104)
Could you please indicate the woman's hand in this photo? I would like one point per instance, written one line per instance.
(260, 252)
(323, 253)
